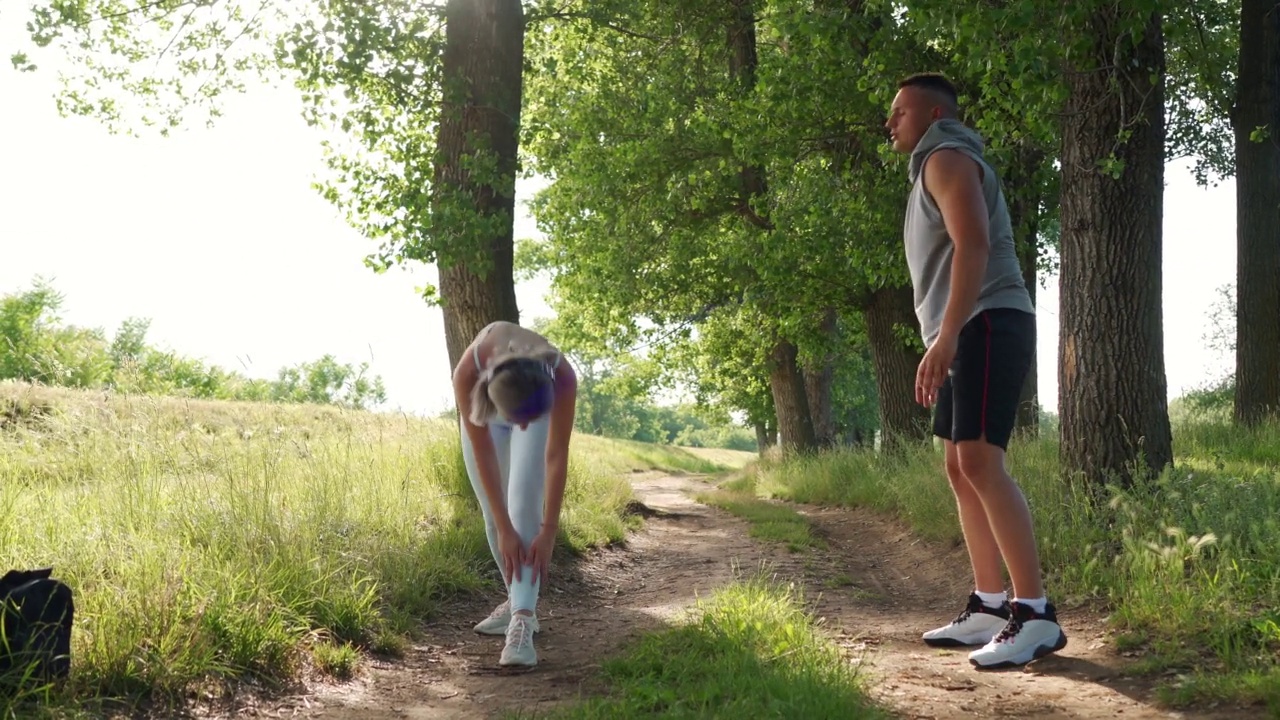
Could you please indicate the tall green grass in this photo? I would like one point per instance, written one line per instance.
(751, 650)
(1189, 562)
(210, 541)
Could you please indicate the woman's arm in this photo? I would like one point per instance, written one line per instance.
(558, 443)
(464, 379)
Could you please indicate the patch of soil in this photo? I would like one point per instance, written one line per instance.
(876, 587)
(902, 586)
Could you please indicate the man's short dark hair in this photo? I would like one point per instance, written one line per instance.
(937, 82)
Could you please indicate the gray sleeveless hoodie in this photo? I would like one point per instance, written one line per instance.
(929, 248)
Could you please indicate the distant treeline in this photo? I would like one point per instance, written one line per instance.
(36, 346)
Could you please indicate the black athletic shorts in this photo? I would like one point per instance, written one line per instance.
(980, 395)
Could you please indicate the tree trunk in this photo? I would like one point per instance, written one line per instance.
(766, 437)
(1023, 192)
(1113, 394)
(818, 382)
(790, 401)
(480, 113)
(743, 60)
(1258, 214)
(819, 379)
(890, 316)
(786, 382)
(762, 438)
(1027, 421)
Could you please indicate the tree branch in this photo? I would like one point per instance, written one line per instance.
(182, 26)
(745, 210)
(572, 15)
(140, 9)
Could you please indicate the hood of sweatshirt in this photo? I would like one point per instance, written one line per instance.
(944, 133)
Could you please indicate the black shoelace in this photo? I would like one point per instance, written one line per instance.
(1011, 629)
(968, 611)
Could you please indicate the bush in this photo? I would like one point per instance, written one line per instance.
(36, 347)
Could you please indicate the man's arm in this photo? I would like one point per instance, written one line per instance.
(558, 443)
(954, 181)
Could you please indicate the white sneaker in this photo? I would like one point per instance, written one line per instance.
(975, 625)
(499, 619)
(1028, 636)
(519, 648)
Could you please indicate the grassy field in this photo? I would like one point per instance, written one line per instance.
(211, 541)
(1189, 564)
(624, 456)
(749, 651)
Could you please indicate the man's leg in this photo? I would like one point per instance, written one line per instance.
(992, 360)
(987, 610)
(984, 552)
(1009, 532)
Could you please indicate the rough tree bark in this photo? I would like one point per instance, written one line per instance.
(1112, 385)
(1257, 395)
(762, 437)
(819, 379)
(766, 438)
(790, 400)
(902, 420)
(1023, 195)
(483, 72)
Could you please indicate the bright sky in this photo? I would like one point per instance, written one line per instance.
(218, 237)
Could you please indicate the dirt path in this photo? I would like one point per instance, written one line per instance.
(876, 588)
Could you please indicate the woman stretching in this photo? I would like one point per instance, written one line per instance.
(516, 398)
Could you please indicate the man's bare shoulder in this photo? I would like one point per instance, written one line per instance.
(951, 163)
(950, 169)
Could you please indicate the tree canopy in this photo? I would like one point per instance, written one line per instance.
(719, 192)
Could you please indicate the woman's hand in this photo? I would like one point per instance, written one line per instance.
(512, 551)
(540, 552)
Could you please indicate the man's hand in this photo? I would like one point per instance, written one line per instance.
(933, 369)
(540, 552)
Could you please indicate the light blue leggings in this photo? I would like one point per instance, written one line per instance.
(522, 463)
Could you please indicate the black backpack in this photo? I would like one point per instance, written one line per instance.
(36, 612)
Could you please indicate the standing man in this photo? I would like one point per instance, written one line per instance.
(979, 328)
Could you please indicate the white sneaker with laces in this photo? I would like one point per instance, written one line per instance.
(1028, 636)
(519, 648)
(499, 619)
(975, 625)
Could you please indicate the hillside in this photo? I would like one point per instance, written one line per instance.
(209, 541)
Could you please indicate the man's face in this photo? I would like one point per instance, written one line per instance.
(913, 111)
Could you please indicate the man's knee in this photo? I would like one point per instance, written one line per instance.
(954, 472)
(960, 484)
(979, 462)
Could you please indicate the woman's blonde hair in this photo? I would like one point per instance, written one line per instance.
(519, 385)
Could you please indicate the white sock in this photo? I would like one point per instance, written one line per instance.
(992, 600)
(1037, 604)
